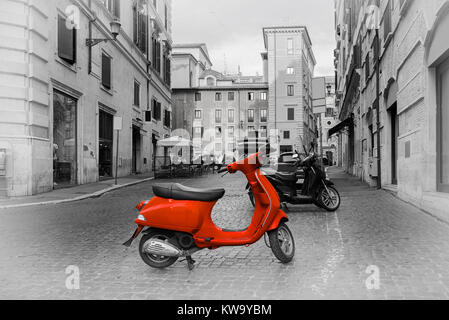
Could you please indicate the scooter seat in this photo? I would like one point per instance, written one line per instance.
(287, 176)
(177, 191)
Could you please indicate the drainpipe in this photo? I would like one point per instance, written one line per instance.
(379, 153)
(89, 67)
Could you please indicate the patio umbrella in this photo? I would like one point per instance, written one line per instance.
(174, 142)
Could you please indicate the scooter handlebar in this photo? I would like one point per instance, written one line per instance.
(223, 170)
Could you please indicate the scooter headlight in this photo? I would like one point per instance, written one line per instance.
(141, 218)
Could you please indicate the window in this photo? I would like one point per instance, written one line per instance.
(290, 50)
(167, 65)
(217, 132)
(218, 148)
(290, 70)
(290, 114)
(157, 110)
(155, 4)
(290, 90)
(251, 115)
(147, 116)
(198, 132)
(231, 147)
(231, 96)
(252, 133)
(263, 96)
(198, 114)
(250, 96)
(197, 96)
(66, 42)
(443, 128)
(263, 131)
(106, 71)
(218, 96)
(367, 68)
(218, 116)
(167, 118)
(156, 54)
(231, 115)
(387, 20)
(136, 101)
(263, 115)
(231, 132)
(166, 17)
(210, 82)
(140, 35)
(286, 135)
(113, 7)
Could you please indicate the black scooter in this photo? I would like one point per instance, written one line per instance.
(316, 189)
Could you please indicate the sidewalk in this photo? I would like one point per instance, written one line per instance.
(76, 193)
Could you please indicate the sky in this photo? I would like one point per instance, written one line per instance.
(232, 29)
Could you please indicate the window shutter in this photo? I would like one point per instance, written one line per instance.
(106, 71)
(66, 41)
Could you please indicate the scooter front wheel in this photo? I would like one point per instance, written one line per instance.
(282, 243)
(329, 199)
(152, 260)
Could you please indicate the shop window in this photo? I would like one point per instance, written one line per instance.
(64, 140)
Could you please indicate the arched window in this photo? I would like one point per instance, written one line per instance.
(210, 81)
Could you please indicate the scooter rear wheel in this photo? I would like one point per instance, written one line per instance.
(155, 261)
(282, 243)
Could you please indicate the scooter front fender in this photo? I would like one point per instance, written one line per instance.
(280, 217)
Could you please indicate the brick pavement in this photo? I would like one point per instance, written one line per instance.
(333, 251)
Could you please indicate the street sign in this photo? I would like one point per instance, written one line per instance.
(319, 95)
(118, 123)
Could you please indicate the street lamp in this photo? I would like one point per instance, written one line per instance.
(115, 30)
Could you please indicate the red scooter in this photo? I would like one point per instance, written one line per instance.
(177, 222)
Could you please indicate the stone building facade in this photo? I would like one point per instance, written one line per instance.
(413, 53)
(216, 111)
(277, 105)
(289, 66)
(59, 96)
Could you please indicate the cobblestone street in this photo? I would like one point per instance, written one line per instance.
(333, 250)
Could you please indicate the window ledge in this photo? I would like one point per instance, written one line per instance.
(71, 67)
(108, 91)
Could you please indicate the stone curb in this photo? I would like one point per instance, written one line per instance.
(83, 197)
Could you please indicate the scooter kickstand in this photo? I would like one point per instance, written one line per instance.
(284, 205)
(190, 263)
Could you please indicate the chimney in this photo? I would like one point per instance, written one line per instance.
(265, 66)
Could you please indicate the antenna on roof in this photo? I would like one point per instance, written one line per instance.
(225, 64)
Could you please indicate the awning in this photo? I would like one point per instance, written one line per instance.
(347, 123)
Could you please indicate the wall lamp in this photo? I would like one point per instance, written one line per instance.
(115, 30)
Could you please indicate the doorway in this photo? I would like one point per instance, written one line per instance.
(106, 134)
(135, 149)
(394, 142)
